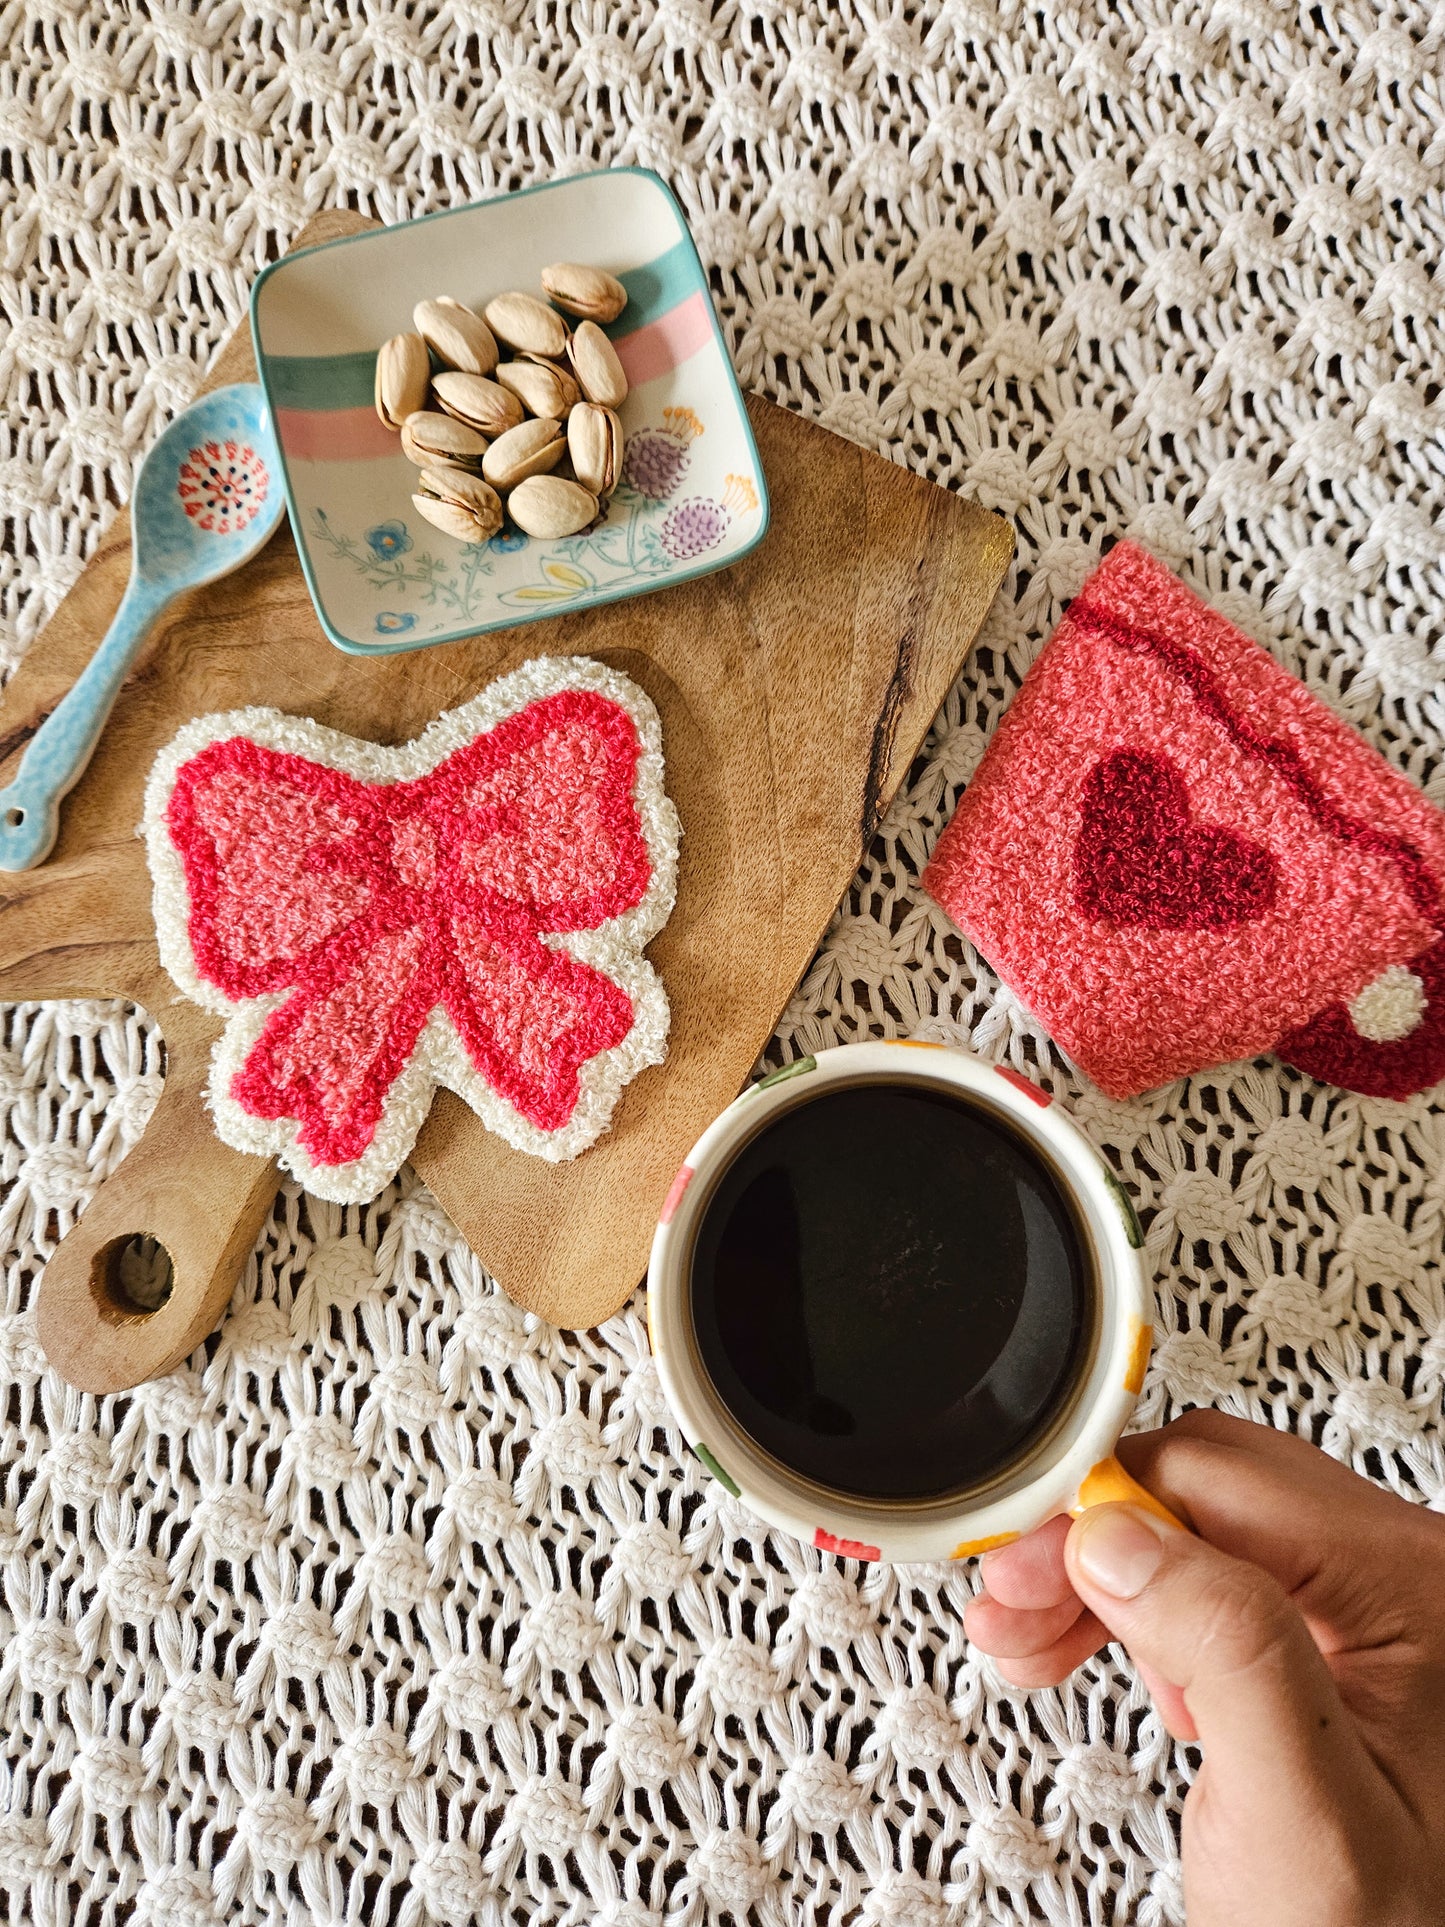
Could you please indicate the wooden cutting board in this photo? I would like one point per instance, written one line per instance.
(795, 689)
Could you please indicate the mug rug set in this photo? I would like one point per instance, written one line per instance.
(1172, 852)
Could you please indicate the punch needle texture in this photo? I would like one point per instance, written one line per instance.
(467, 910)
(1178, 857)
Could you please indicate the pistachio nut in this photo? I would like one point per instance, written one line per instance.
(591, 293)
(531, 448)
(594, 441)
(432, 440)
(549, 507)
(481, 404)
(457, 337)
(595, 364)
(459, 504)
(403, 371)
(541, 386)
(527, 324)
(571, 393)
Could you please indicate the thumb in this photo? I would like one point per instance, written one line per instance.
(1225, 1633)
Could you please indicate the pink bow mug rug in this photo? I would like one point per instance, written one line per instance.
(1177, 856)
(469, 909)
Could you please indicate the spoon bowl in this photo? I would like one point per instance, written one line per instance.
(209, 492)
(207, 497)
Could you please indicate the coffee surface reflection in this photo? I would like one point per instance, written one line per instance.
(890, 1291)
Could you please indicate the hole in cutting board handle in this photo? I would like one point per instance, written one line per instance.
(132, 1277)
(14, 817)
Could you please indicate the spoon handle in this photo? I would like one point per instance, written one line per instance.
(58, 752)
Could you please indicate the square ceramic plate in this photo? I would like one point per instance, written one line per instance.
(691, 498)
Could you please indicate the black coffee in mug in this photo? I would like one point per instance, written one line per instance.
(891, 1291)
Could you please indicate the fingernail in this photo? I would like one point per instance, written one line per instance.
(1119, 1548)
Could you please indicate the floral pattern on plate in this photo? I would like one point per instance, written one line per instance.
(649, 533)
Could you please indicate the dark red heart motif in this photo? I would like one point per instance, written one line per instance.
(1140, 860)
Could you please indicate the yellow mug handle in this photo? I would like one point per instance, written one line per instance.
(1108, 1484)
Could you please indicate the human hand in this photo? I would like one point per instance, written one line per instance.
(1299, 1638)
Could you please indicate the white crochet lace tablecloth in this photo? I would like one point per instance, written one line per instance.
(394, 1605)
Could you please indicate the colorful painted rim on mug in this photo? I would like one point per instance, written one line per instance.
(1070, 1467)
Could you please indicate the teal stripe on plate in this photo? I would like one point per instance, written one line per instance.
(657, 287)
(322, 381)
(348, 381)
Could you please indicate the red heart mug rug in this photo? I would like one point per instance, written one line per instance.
(1177, 857)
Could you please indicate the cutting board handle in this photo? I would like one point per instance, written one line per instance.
(200, 1200)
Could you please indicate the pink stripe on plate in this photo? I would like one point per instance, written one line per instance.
(334, 435)
(662, 344)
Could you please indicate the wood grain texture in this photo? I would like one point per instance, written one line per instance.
(794, 688)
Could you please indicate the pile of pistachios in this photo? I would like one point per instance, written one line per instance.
(489, 435)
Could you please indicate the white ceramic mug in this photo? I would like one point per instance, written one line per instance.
(1071, 1464)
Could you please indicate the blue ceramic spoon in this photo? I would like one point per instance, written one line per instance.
(206, 498)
